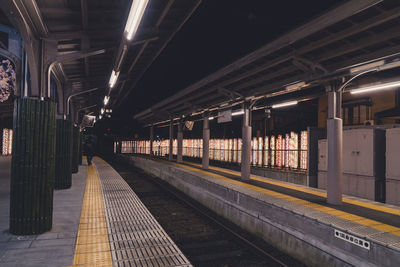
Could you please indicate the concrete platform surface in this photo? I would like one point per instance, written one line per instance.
(53, 248)
(99, 221)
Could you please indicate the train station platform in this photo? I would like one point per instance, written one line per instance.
(294, 218)
(99, 221)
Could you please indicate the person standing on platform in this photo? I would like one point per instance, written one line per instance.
(90, 148)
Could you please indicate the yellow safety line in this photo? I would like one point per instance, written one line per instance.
(338, 213)
(307, 190)
(92, 247)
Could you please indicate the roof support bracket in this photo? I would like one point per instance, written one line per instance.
(308, 66)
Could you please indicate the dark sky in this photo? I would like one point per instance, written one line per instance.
(219, 32)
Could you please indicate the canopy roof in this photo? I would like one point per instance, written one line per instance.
(344, 41)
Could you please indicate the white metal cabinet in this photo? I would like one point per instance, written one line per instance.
(349, 152)
(358, 151)
(393, 153)
(363, 163)
(365, 152)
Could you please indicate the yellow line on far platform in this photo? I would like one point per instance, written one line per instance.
(307, 190)
(331, 211)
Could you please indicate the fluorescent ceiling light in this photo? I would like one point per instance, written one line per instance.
(196, 113)
(134, 18)
(210, 118)
(106, 100)
(375, 87)
(294, 86)
(102, 111)
(367, 66)
(224, 105)
(113, 78)
(285, 104)
(238, 112)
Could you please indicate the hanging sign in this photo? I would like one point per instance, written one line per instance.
(189, 125)
(225, 116)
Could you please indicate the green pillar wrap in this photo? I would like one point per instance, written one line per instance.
(32, 166)
(75, 150)
(80, 148)
(63, 178)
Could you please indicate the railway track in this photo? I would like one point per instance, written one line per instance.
(204, 237)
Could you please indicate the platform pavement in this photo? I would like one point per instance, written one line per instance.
(53, 248)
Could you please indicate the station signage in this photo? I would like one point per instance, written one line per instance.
(352, 239)
(225, 115)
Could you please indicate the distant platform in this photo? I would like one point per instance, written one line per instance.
(292, 217)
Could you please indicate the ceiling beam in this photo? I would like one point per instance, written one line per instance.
(68, 35)
(85, 40)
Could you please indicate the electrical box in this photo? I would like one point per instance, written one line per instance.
(393, 153)
(393, 166)
(363, 162)
(358, 152)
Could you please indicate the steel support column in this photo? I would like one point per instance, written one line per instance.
(151, 139)
(246, 144)
(335, 140)
(171, 141)
(180, 141)
(206, 143)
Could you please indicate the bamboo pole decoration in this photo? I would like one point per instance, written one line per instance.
(75, 150)
(32, 167)
(80, 148)
(63, 161)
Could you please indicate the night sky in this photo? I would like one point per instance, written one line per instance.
(218, 33)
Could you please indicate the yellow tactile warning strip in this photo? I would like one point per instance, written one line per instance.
(136, 238)
(92, 247)
(307, 190)
(338, 213)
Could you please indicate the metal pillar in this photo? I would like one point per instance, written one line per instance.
(151, 140)
(246, 145)
(180, 141)
(171, 141)
(335, 140)
(206, 143)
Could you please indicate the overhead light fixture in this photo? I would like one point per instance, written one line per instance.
(367, 66)
(375, 87)
(196, 113)
(134, 18)
(294, 86)
(100, 117)
(113, 78)
(223, 105)
(238, 112)
(285, 104)
(106, 100)
(210, 118)
(102, 111)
